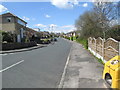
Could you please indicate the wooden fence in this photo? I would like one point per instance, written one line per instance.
(104, 49)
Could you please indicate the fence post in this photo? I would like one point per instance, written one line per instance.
(119, 48)
(103, 51)
(88, 43)
(95, 47)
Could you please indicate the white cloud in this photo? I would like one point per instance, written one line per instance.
(26, 18)
(56, 29)
(47, 16)
(67, 26)
(75, 2)
(2, 9)
(85, 5)
(40, 25)
(68, 3)
(65, 29)
(53, 25)
(64, 3)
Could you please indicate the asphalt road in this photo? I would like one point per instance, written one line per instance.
(39, 68)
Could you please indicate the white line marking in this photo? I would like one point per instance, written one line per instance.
(11, 53)
(64, 72)
(11, 66)
(3, 54)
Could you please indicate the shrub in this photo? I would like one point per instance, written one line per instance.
(84, 42)
(7, 36)
(67, 37)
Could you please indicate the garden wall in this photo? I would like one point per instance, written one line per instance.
(12, 46)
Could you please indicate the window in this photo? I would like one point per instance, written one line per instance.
(8, 19)
(21, 22)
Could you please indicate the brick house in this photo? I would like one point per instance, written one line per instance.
(30, 32)
(14, 24)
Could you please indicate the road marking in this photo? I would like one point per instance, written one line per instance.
(3, 54)
(11, 66)
(64, 72)
(11, 53)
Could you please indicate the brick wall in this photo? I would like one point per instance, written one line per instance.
(12, 46)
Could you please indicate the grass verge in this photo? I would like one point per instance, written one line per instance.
(82, 41)
(100, 60)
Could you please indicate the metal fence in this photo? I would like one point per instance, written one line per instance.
(104, 49)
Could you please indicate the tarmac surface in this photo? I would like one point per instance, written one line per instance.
(38, 68)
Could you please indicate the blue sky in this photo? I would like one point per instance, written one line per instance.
(60, 15)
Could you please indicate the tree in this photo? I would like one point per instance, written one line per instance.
(88, 26)
(114, 32)
(106, 12)
(96, 22)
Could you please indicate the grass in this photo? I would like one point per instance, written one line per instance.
(67, 38)
(100, 60)
(84, 42)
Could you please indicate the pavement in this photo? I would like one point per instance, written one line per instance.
(82, 70)
(24, 49)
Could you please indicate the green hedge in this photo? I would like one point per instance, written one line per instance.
(84, 42)
(67, 38)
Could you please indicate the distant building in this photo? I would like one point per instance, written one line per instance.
(14, 24)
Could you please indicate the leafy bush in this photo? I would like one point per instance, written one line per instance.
(84, 42)
(46, 41)
(67, 37)
(6, 36)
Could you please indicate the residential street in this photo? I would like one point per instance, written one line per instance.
(65, 64)
(60, 44)
(40, 68)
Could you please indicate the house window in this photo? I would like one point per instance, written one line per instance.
(21, 22)
(9, 19)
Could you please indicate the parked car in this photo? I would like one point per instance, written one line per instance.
(54, 39)
(111, 72)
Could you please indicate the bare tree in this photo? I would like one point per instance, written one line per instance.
(106, 12)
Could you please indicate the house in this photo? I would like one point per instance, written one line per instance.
(30, 32)
(14, 24)
(37, 29)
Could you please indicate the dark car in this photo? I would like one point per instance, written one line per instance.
(55, 39)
